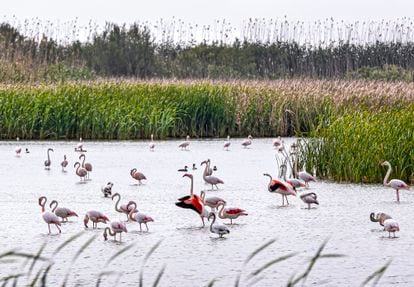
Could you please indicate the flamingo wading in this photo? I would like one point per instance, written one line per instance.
(62, 212)
(48, 217)
(396, 184)
(48, 162)
(280, 187)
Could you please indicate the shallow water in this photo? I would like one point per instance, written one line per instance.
(192, 255)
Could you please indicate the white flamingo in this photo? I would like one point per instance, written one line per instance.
(219, 229)
(247, 141)
(309, 198)
(278, 143)
(227, 143)
(79, 146)
(18, 149)
(47, 216)
(390, 225)
(185, 144)
(211, 201)
(116, 227)
(306, 177)
(394, 183)
(210, 179)
(152, 143)
(64, 163)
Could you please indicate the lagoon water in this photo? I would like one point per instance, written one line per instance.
(192, 255)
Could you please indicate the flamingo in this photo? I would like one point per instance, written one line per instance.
(390, 225)
(86, 165)
(278, 143)
(247, 141)
(48, 216)
(309, 198)
(124, 207)
(209, 170)
(152, 143)
(280, 187)
(80, 171)
(295, 183)
(18, 149)
(227, 143)
(185, 143)
(217, 228)
(95, 217)
(139, 217)
(306, 177)
(107, 189)
(116, 227)
(230, 212)
(209, 178)
(48, 162)
(193, 201)
(79, 146)
(185, 169)
(62, 212)
(380, 217)
(394, 183)
(137, 175)
(211, 201)
(64, 163)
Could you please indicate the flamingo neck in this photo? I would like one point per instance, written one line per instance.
(221, 212)
(55, 203)
(388, 174)
(83, 161)
(192, 185)
(117, 203)
(48, 154)
(212, 223)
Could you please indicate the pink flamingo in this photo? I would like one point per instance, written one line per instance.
(185, 144)
(139, 217)
(211, 201)
(227, 143)
(124, 208)
(309, 198)
(247, 141)
(79, 146)
(280, 187)
(295, 183)
(64, 163)
(230, 212)
(18, 149)
(390, 225)
(193, 201)
(62, 212)
(306, 177)
(116, 227)
(137, 175)
(80, 171)
(278, 143)
(152, 144)
(47, 216)
(394, 183)
(95, 217)
(86, 165)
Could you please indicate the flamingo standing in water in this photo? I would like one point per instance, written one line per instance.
(152, 143)
(390, 225)
(18, 149)
(95, 217)
(394, 183)
(219, 229)
(213, 180)
(116, 227)
(124, 208)
(227, 143)
(137, 175)
(86, 165)
(380, 217)
(306, 177)
(211, 201)
(48, 162)
(247, 141)
(278, 143)
(79, 146)
(193, 201)
(230, 212)
(47, 216)
(280, 187)
(309, 198)
(62, 212)
(185, 144)
(139, 217)
(64, 163)
(80, 171)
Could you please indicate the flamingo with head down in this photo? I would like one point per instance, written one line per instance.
(193, 201)
(139, 217)
(124, 208)
(219, 229)
(309, 198)
(48, 217)
(116, 227)
(280, 187)
(396, 184)
(95, 217)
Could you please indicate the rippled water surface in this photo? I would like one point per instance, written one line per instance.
(192, 255)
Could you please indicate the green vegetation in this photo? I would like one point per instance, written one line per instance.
(386, 73)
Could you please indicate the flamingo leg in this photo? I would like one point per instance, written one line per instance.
(308, 205)
(398, 196)
(146, 226)
(48, 225)
(202, 219)
(287, 200)
(57, 226)
(140, 229)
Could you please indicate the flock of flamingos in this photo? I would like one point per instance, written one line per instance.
(206, 207)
